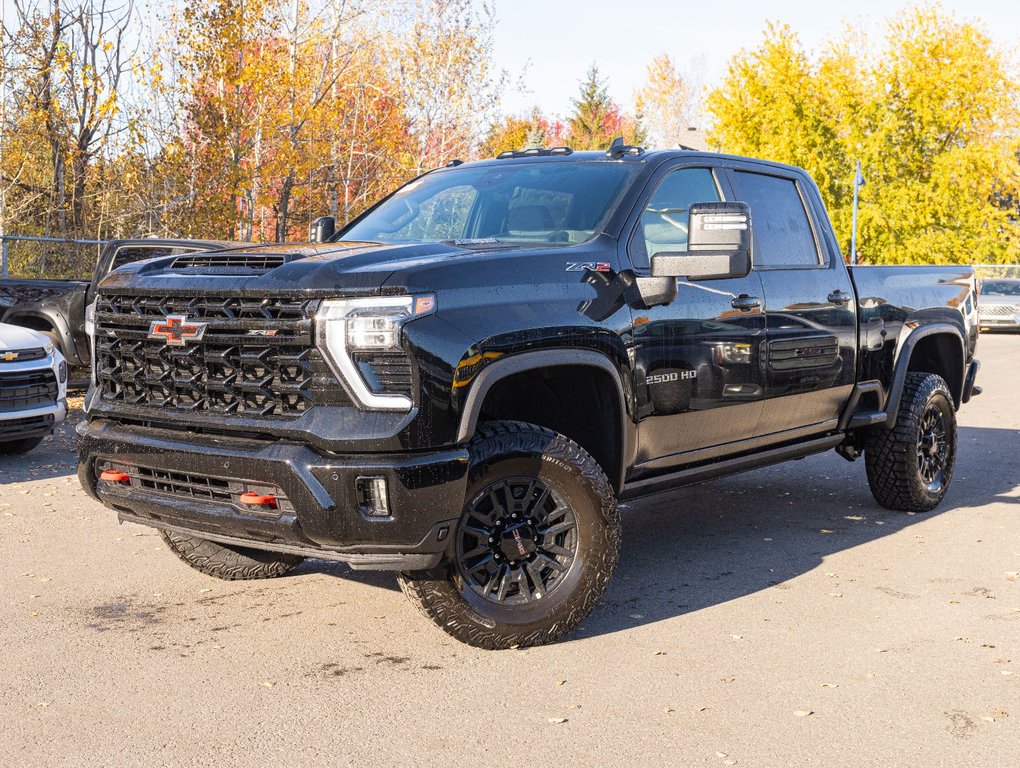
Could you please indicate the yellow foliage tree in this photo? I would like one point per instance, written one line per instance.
(932, 116)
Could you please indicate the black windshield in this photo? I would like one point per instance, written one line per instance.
(542, 203)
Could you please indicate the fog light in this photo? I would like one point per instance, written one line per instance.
(373, 496)
(62, 370)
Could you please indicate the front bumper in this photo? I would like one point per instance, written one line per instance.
(320, 517)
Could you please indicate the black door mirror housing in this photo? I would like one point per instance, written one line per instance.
(322, 229)
(718, 244)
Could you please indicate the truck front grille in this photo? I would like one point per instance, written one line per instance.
(1004, 310)
(22, 390)
(255, 358)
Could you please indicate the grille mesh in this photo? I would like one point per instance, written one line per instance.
(191, 486)
(257, 357)
(22, 390)
(999, 309)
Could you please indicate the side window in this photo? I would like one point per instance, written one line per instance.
(782, 231)
(663, 226)
(129, 254)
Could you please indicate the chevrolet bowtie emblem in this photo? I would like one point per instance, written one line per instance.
(9, 357)
(176, 330)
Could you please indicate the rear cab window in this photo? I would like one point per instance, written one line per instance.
(783, 235)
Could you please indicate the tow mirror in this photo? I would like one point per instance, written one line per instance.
(322, 229)
(718, 244)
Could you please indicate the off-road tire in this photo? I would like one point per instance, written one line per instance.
(891, 455)
(229, 562)
(499, 450)
(18, 447)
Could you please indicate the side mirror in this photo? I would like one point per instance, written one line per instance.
(322, 229)
(718, 244)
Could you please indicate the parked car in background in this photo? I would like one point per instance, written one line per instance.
(33, 388)
(56, 308)
(999, 304)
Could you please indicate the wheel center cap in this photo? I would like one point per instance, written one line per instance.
(517, 542)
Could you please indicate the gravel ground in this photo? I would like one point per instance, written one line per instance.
(777, 618)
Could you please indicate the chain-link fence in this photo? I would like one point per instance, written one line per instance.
(1000, 271)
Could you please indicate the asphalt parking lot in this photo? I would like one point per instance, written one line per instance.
(778, 618)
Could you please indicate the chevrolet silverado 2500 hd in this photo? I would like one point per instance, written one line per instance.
(461, 383)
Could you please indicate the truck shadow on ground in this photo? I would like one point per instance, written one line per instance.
(708, 544)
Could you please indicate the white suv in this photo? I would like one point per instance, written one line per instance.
(33, 388)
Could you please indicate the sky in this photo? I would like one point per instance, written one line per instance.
(554, 42)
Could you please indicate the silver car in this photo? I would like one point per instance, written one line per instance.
(999, 304)
(33, 388)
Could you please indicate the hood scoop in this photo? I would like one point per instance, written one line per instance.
(231, 262)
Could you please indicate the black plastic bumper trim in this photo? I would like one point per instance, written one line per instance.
(358, 561)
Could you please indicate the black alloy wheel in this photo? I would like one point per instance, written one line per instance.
(932, 448)
(535, 548)
(517, 540)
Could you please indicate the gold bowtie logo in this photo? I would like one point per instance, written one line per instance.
(9, 357)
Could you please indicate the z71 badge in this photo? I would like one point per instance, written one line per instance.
(584, 266)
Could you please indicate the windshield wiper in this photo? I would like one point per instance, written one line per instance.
(479, 242)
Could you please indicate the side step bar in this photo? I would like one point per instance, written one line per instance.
(693, 475)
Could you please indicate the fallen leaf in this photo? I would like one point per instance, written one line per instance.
(737, 637)
(556, 720)
(667, 710)
(659, 653)
(803, 712)
(561, 681)
(826, 530)
(268, 683)
(830, 685)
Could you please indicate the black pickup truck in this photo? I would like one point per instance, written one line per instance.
(57, 307)
(460, 384)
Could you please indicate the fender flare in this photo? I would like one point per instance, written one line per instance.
(500, 369)
(55, 321)
(902, 366)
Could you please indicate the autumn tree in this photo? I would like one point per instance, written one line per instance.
(596, 119)
(664, 103)
(931, 114)
(516, 132)
(448, 83)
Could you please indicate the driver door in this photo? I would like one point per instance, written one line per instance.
(698, 380)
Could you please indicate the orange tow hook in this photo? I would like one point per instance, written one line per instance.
(258, 500)
(113, 476)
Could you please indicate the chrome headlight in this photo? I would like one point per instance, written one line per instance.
(350, 328)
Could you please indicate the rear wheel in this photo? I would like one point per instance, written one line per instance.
(910, 466)
(229, 562)
(536, 546)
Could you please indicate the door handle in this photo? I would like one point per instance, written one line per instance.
(839, 298)
(746, 303)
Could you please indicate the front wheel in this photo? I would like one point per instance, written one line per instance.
(536, 546)
(909, 466)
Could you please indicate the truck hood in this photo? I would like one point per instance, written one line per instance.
(315, 268)
(14, 337)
